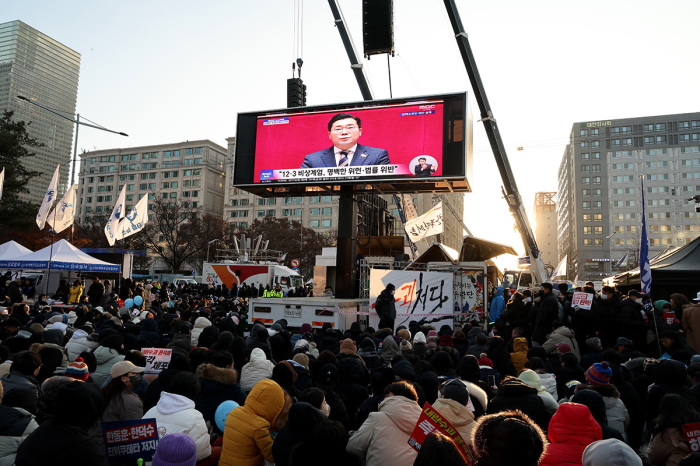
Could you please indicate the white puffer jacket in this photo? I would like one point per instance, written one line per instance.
(16, 424)
(176, 414)
(618, 416)
(78, 343)
(383, 438)
(200, 324)
(257, 369)
(106, 358)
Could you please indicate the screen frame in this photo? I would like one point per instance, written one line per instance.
(456, 156)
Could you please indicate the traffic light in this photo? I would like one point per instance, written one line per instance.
(296, 93)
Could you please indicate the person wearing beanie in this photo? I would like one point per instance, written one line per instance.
(610, 452)
(508, 438)
(571, 430)
(247, 440)
(432, 339)
(453, 407)
(531, 378)
(302, 359)
(77, 370)
(599, 373)
(175, 450)
(353, 377)
(419, 344)
(368, 352)
(404, 334)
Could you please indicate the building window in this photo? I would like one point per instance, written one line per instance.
(661, 127)
(325, 223)
(598, 230)
(587, 230)
(585, 192)
(586, 217)
(259, 213)
(661, 139)
(313, 224)
(587, 205)
(596, 180)
(316, 211)
(595, 144)
(648, 128)
(597, 192)
(585, 168)
(598, 242)
(684, 138)
(327, 211)
(585, 156)
(584, 133)
(595, 168)
(584, 144)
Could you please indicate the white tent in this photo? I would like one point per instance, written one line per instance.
(12, 249)
(63, 256)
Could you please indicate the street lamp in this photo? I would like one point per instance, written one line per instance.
(77, 125)
(212, 242)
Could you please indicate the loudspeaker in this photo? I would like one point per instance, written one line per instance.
(378, 26)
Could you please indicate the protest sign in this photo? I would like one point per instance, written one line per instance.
(582, 300)
(134, 439)
(429, 421)
(692, 435)
(157, 359)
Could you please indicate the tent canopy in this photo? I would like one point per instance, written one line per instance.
(479, 250)
(63, 256)
(12, 249)
(438, 252)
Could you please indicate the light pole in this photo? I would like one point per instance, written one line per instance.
(210, 243)
(77, 125)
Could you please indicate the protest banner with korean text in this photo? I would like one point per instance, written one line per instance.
(428, 422)
(582, 300)
(132, 439)
(157, 359)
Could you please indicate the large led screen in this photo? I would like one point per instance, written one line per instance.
(416, 138)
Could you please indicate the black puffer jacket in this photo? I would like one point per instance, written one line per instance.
(516, 394)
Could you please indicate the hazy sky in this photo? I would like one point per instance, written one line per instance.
(167, 71)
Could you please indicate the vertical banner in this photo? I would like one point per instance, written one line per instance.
(425, 297)
(47, 202)
(644, 266)
(469, 294)
(63, 215)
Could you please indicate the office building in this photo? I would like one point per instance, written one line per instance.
(192, 172)
(545, 211)
(45, 71)
(600, 181)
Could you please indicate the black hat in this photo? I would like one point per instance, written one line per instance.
(456, 390)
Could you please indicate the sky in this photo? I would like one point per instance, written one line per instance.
(168, 71)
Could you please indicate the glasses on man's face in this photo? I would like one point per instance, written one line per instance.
(343, 129)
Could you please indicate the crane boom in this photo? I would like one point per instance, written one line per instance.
(510, 188)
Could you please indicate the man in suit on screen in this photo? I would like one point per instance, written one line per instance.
(344, 130)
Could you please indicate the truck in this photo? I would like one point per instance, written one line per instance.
(340, 313)
(252, 274)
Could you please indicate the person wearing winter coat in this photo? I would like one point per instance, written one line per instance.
(199, 324)
(631, 319)
(368, 352)
(15, 426)
(353, 377)
(516, 394)
(498, 305)
(106, 355)
(531, 378)
(561, 334)
(610, 452)
(62, 439)
(76, 291)
(571, 430)
(598, 376)
(149, 331)
(690, 320)
(595, 404)
(383, 437)
(79, 342)
(671, 377)
(453, 407)
(303, 417)
(507, 438)
(175, 412)
(546, 312)
(420, 344)
(25, 367)
(668, 443)
(258, 368)
(519, 355)
(218, 385)
(247, 439)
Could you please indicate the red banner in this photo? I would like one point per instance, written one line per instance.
(429, 421)
(692, 435)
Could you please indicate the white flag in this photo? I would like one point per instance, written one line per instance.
(430, 223)
(64, 214)
(561, 269)
(49, 197)
(117, 214)
(135, 220)
(2, 180)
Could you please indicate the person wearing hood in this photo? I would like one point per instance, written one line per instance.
(368, 352)
(598, 377)
(610, 452)
(218, 385)
(79, 342)
(519, 355)
(508, 438)
(561, 335)
(63, 438)
(533, 379)
(571, 430)
(419, 344)
(389, 353)
(596, 405)
(149, 331)
(327, 380)
(516, 394)
(107, 355)
(280, 342)
(247, 439)
(258, 368)
(259, 338)
(383, 437)
(53, 338)
(469, 373)
(200, 324)
(303, 417)
(453, 407)
(498, 305)
(16, 424)
(175, 412)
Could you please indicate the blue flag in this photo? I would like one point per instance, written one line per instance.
(644, 267)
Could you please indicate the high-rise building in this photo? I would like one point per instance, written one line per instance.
(600, 181)
(192, 172)
(546, 227)
(45, 71)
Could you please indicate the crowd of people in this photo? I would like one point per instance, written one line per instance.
(544, 382)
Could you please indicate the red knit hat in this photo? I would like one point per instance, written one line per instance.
(486, 362)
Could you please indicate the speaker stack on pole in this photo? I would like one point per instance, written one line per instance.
(378, 27)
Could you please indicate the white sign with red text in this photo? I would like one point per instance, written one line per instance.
(582, 300)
